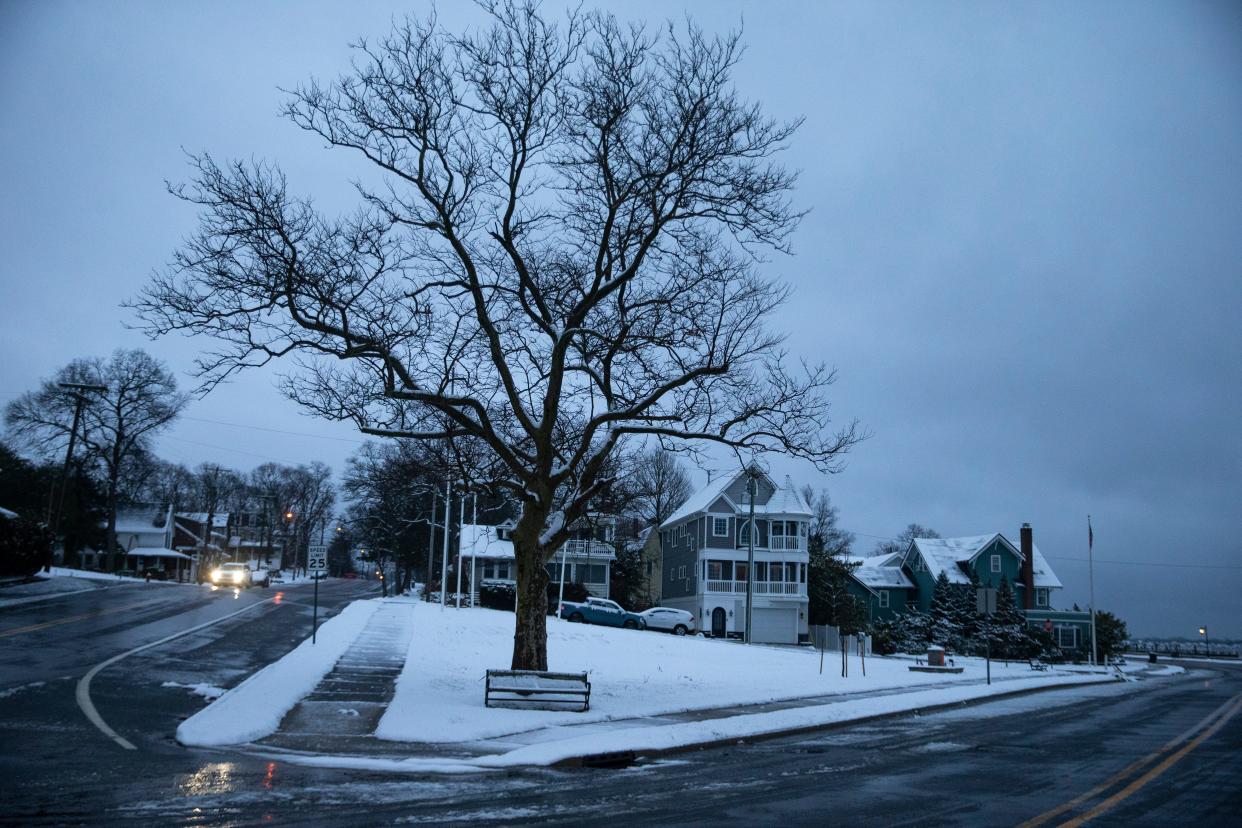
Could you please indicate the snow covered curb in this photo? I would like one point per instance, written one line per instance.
(661, 739)
(653, 740)
(254, 708)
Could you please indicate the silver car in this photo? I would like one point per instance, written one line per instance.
(678, 622)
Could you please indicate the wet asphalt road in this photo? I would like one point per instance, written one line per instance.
(997, 764)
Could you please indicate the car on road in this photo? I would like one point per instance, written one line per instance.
(678, 622)
(231, 574)
(601, 611)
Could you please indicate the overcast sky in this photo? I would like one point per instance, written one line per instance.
(1024, 251)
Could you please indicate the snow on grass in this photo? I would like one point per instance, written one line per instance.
(439, 695)
(254, 708)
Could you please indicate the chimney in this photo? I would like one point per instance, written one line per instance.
(1028, 567)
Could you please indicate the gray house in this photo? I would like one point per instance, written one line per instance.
(703, 551)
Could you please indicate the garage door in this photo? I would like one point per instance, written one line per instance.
(774, 626)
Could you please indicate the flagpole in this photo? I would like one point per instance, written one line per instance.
(1091, 584)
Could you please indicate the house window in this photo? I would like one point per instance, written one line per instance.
(715, 571)
(681, 573)
(1067, 637)
(761, 570)
(996, 565)
(884, 599)
(720, 527)
(739, 570)
(1041, 597)
(743, 532)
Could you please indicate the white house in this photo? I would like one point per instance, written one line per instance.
(587, 557)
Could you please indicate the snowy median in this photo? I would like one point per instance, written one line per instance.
(439, 695)
(254, 708)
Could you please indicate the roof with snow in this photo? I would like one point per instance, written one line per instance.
(157, 552)
(481, 541)
(944, 555)
(217, 520)
(785, 500)
(878, 572)
(141, 518)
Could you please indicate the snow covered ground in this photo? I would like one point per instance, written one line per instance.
(633, 673)
(636, 677)
(58, 582)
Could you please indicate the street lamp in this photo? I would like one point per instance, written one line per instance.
(1206, 645)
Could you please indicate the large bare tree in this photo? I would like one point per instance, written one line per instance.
(117, 424)
(556, 262)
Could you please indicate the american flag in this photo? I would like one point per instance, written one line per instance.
(1090, 535)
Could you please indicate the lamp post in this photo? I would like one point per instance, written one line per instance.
(1207, 649)
(752, 490)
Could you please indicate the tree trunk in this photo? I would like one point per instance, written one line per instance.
(530, 635)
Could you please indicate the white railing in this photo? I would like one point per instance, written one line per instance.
(784, 542)
(580, 546)
(761, 587)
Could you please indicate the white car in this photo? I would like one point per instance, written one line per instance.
(231, 574)
(678, 622)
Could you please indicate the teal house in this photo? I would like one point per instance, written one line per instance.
(908, 579)
(882, 585)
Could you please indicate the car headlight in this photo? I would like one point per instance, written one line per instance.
(215, 575)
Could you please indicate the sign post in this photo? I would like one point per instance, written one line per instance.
(317, 566)
(985, 603)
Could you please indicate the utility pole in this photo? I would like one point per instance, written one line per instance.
(752, 489)
(1090, 584)
(77, 390)
(459, 540)
(431, 548)
(448, 504)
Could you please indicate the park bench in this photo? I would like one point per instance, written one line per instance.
(537, 689)
(1036, 664)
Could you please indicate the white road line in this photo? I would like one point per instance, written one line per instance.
(84, 684)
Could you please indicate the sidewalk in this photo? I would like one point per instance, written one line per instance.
(335, 724)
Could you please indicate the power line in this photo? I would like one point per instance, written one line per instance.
(276, 430)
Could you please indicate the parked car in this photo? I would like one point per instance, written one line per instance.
(601, 611)
(231, 574)
(678, 622)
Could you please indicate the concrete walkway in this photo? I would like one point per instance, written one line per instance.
(347, 705)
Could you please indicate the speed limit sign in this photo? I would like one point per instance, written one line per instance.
(317, 559)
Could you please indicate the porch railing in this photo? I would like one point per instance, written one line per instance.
(761, 587)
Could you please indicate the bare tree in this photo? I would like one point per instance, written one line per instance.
(116, 429)
(561, 260)
(902, 541)
(662, 483)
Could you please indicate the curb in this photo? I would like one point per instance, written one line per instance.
(622, 758)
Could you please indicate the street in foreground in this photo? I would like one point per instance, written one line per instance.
(1154, 752)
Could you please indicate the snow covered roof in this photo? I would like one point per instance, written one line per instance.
(785, 500)
(481, 541)
(699, 501)
(217, 520)
(944, 554)
(141, 518)
(879, 572)
(156, 552)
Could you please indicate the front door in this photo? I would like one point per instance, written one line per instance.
(718, 622)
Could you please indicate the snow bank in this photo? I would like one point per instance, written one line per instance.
(439, 695)
(254, 708)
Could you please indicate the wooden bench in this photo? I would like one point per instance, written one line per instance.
(537, 689)
(1036, 664)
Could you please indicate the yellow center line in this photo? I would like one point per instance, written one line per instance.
(1129, 769)
(1138, 784)
(71, 618)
